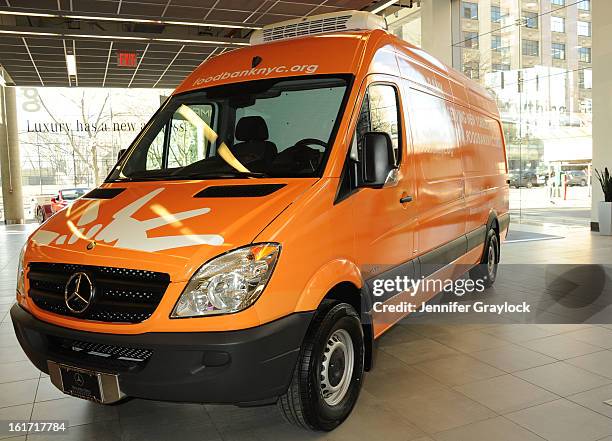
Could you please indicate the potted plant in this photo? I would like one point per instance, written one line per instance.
(605, 206)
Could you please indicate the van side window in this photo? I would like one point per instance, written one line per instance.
(156, 151)
(186, 143)
(380, 113)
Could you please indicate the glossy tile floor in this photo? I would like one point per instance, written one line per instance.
(487, 382)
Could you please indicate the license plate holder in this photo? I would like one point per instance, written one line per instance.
(101, 387)
(81, 383)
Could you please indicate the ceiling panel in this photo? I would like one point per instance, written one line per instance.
(92, 6)
(160, 65)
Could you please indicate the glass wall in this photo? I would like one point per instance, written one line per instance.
(535, 58)
(405, 23)
(70, 138)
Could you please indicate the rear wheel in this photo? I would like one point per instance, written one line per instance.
(329, 372)
(486, 270)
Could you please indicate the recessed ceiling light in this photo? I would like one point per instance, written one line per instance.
(385, 5)
(71, 65)
(133, 19)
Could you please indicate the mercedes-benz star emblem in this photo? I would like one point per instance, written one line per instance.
(79, 292)
(78, 379)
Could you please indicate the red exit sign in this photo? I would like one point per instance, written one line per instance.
(126, 59)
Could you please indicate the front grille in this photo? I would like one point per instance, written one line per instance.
(99, 354)
(123, 295)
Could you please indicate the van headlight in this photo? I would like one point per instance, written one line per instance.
(228, 283)
(21, 276)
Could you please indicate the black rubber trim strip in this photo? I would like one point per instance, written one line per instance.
(103, 193)
(438, 258)
(408, 269)
(238, 191)
(476, 237)
(430, 262)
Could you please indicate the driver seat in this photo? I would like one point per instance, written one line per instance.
(255, 149)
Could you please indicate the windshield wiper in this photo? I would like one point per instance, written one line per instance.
(194, 175)
(221, 175)
(138, 178)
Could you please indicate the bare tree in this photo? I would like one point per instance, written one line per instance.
(87, 151)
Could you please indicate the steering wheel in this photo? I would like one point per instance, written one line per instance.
(311, 141)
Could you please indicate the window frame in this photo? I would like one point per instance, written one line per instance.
(562, 48)
(496, 47)
(498, 14)
(584, 50)
(562, 22)
(398, 103)
(350, 180)
(469, 66)
(579, 24)
(473, 40)
(529, 18)
(472, 6)
(527, 43)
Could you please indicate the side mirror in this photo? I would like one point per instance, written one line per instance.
(378, 158)
(121, 154)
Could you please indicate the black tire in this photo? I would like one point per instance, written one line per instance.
(486, 270)
(304, 403)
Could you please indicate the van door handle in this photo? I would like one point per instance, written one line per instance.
(406, 199)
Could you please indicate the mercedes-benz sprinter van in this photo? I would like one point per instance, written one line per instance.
(229, 257)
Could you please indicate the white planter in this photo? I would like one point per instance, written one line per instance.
(605, 218)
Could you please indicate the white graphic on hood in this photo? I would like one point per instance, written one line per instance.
(127, 232)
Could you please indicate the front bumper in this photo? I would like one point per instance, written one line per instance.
(245, 367)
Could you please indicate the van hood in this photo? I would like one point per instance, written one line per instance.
(171, 227)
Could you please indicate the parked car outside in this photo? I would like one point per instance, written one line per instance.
(577, 177)
(63, 198)
(524, 178)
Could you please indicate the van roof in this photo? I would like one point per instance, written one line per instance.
(339, 53)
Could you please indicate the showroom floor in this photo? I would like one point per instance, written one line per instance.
(470, 382)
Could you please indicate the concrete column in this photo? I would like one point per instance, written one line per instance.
(602, 96)
(436, 29)
(10, 163)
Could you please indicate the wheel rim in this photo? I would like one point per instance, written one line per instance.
(337, 367)
(492, 259)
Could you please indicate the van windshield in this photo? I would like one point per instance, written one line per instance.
(267, 128)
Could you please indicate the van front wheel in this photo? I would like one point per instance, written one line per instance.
(329, 372)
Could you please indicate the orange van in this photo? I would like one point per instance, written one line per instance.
(232, 253)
